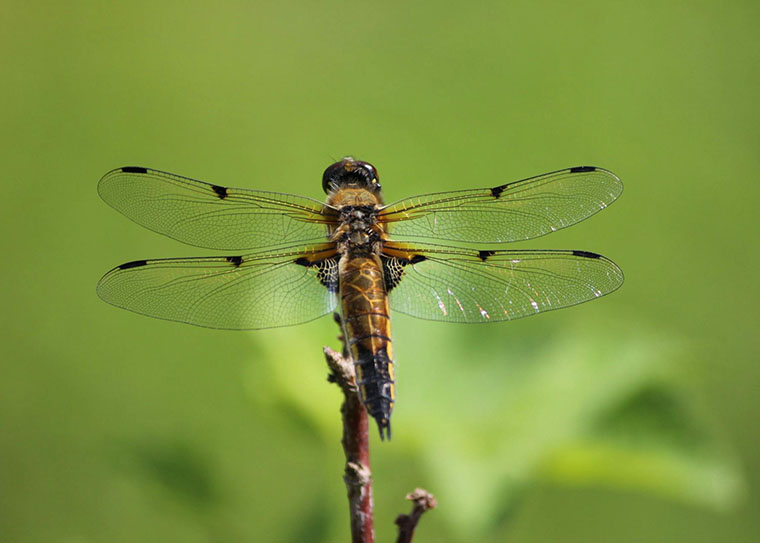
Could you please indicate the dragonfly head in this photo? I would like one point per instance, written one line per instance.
(350, 173)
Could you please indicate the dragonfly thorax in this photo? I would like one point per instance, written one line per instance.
(358, 216)
(359, 231)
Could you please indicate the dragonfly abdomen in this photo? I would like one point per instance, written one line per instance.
(366, 319)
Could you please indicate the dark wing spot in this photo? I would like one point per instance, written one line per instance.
(586, 254)
(235, 260)
(134, 169)
(327, 271)
(483, 255)
(496, 191)
(135, 264)
(220, 191)
(393, 269)
(582, 169)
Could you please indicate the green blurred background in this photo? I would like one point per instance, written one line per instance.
(633, 418)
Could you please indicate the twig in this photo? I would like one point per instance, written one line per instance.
(357, 477)
(423, 501)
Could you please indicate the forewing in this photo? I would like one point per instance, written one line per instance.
(469, 286)
(237, 292)
(213, 216)
(515, 211)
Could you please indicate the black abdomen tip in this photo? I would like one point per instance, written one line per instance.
(384, 425)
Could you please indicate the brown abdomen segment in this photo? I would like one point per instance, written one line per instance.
(367, 324)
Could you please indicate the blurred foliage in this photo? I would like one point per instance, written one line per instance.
(629, 419)
(579, 409)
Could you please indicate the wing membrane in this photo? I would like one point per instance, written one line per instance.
(240, 292)
(213, 216)
(515, 211)
(469, 286)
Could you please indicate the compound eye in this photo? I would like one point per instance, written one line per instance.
(371, 170)
(332, 173)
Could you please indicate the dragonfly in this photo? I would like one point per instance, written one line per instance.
(291, 259)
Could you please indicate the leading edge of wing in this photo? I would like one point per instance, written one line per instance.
(245, 292)
(514, 211)
(213, 216)
(470, 286)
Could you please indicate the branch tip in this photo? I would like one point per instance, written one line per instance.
(423, 501)
(342, 370)
(422, 498)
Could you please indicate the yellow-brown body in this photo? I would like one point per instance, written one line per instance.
(364, 299)
(367, 325)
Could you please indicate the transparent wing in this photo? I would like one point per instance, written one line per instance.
(515, 211)
(213, 216)
(469, 286)
(237, 292)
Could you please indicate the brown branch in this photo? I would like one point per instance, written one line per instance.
(423, 501)
(357, 477)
